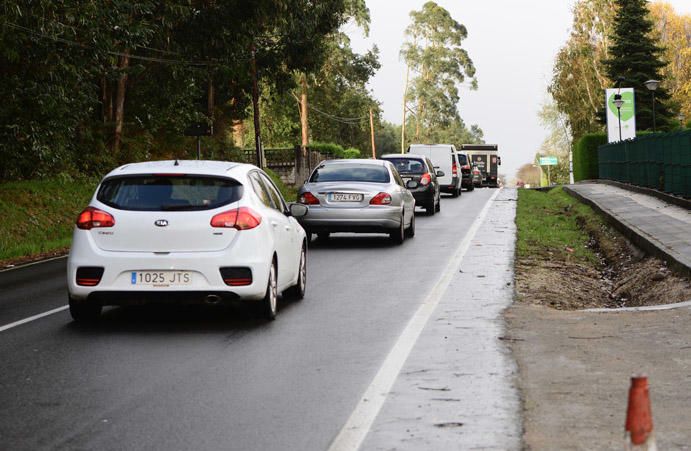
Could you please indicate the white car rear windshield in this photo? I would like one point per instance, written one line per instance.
(172, 192)
(343, 172)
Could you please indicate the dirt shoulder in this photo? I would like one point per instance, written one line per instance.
(575, 369)
(575, 366)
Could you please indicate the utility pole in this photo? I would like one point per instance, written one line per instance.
(303, 115)
(255, 106)
(405, 102)
(371, 131)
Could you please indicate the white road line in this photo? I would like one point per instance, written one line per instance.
(33, 318)
(14, 268)
(360, 421)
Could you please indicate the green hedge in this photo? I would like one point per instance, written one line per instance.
(585, 162)
(335, 149)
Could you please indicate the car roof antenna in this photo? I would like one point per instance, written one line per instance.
(177, 163)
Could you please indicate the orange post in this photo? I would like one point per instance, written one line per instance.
(639, 417)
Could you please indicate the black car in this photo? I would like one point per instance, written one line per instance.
(466, 172)
(419, 168)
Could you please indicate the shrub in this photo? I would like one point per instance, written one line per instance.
(585, 161)
(351, 152)
(328, 148)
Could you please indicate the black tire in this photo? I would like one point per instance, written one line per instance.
(437, 208)
(398, 235)
(431, 207)
(410, 231)
(269, 305)
(323, 236)
(84, 312)
(471, 187)
(454, 192)
(297, 291)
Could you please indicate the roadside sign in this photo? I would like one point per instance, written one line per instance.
(627, 113)
(549, 161)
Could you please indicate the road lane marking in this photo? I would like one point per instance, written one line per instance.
(26, 265)
(33, 318)
(353, 433)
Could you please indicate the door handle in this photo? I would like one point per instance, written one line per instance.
(274, 224)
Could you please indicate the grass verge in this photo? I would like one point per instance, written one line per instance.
(38, 215)
(554, 225)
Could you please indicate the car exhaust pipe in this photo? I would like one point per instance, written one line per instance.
(212, 299)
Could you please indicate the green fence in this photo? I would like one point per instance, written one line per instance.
(658, 161)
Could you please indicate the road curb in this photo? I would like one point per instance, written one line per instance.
(636, 236)
(643, 308)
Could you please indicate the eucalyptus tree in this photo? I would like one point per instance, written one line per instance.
(434, 54)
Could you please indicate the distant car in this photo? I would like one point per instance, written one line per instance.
(419, 168)
(467, 176)
(445, 159)
(360, 196)
(477, 176)
(186, 232)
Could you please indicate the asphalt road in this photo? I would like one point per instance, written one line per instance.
(217, 378)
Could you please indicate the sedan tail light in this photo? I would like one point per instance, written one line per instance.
(467, 166)
(92, 218)
(426, 179)
(381, 199)
(242, 218)
(308, 198)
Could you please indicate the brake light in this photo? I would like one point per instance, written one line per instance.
(381, 199)
(467, 166)
(454, 169)
(426, 179)
(242, 218)
(92, 218)
(308, 198)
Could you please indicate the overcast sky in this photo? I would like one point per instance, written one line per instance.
(512, 44)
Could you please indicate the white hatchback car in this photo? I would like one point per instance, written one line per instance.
(186, 232)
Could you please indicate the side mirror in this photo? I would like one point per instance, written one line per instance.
(412, 184)
(440, 174)
(298, 210)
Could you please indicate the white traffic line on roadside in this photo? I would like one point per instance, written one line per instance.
(25, 265)
(33, 318)
(353, 433)
(644, 308)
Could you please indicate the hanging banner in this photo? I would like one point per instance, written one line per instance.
(628, 115)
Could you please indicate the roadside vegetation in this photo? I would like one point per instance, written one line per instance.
(38, 216)
(568, 258)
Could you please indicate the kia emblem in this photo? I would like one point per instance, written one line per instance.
(161, 222)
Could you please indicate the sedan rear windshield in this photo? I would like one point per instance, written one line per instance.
(462, 159)
(343, 172)
(408, 165)
(157, 192)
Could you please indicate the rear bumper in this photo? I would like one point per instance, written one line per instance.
(116, 286)
(423, 196)
(450, 188)
(360, 220)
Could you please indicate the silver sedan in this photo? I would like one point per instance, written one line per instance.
(361, 196)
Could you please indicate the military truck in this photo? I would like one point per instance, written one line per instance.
(487, 160)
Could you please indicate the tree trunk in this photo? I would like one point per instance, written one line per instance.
(123, 64)
(210, 100)
(238, 130)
